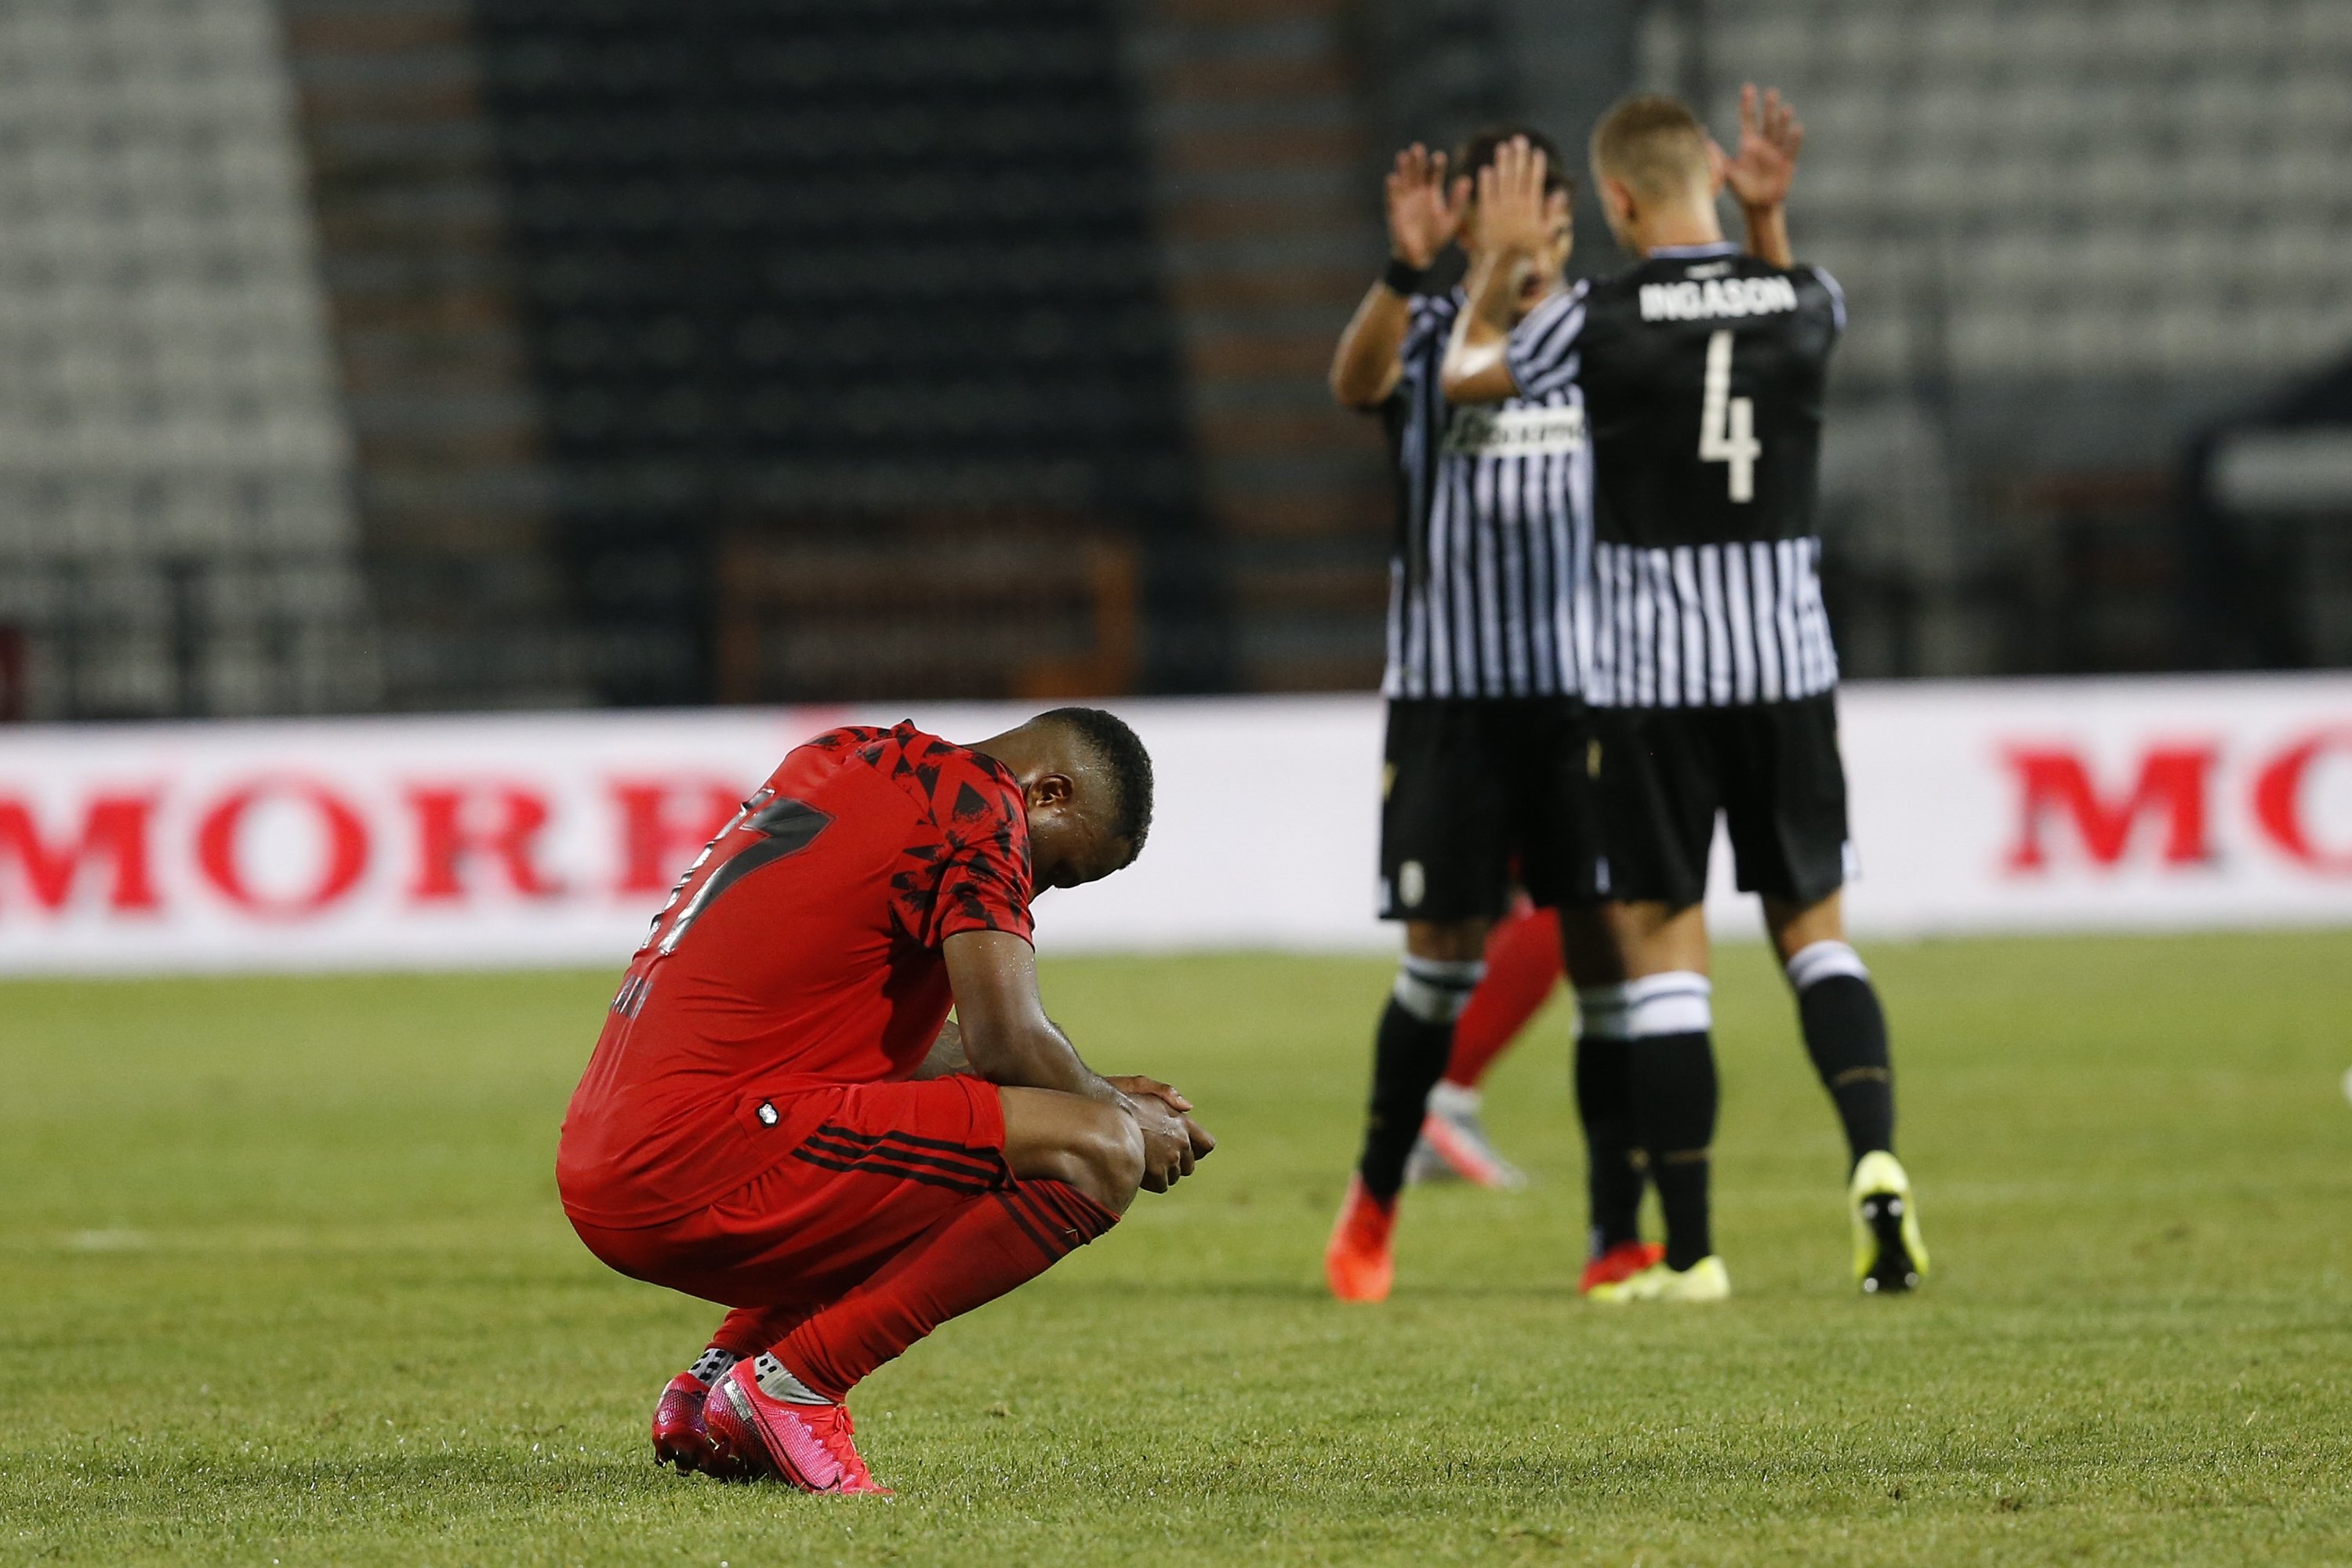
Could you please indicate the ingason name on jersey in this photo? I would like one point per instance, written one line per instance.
(1717, 297)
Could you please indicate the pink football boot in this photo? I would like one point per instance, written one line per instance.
(811, 1446)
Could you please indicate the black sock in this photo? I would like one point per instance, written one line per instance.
(1612, 1154)
(1409, 1056)
(1674, 1094)
(1845, 1034)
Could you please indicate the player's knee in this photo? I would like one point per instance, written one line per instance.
(1104, 1158)
(1446, 941)
(1588, 948)
(1126, 1163)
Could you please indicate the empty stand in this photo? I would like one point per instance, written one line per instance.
(175, 528)
(2070, 233)
(452, 484)
(790, 263)
(2134, 189)
(1268, 211)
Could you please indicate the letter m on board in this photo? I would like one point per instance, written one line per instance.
(2055, 788)
(114, 831)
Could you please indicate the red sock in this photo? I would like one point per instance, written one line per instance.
(968, 1259)
(1523, 964)
(748, 1330)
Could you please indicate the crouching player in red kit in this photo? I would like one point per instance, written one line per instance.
(780, 1117)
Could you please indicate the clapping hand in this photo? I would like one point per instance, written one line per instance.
(1425, 211)
(1771, 136)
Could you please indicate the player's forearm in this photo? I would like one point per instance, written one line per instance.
(1003, 1026)
(1365, 368)
(1477, 368)
(1767, 235)
(1036, 1057)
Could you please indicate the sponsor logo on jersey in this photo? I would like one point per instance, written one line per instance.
(1717, 297)
(1488, 432)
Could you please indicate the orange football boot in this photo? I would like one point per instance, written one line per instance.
(1358, 1263)
(1620, 1263)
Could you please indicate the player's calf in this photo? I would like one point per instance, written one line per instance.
(1845, 1034)
(1673, 1099)
(785, 1411)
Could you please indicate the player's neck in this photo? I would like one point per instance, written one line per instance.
(1671, 228)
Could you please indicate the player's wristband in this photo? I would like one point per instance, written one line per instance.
(1402, 276)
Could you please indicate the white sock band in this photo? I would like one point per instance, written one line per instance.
(1453, 1099)
(713, 1364)
(1601, 1012)
(1435, 990)
(778, 1382)
(1819, 961)
(1672, 1003)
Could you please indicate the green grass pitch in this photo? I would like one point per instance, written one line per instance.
(283, 1280)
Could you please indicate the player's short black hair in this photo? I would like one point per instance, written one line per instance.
(1477, 152)
(1120, 750)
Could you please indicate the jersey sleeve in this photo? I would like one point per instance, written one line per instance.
(1428, 316)
(1429, 321)
(1541, 352)
(1836, 294)
(983, 866)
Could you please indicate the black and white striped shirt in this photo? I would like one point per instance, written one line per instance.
(1702, 372)
(1494, 532)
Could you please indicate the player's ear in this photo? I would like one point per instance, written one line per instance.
(1719, 166)
(1050, 789)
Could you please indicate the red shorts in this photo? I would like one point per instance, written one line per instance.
(857, 1170)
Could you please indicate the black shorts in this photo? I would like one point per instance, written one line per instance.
(1772, 768)
(1478, 793)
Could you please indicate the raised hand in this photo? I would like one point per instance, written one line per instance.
(1425, 211)
(1516, 216)
(1771, 136)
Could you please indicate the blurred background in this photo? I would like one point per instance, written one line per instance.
(448, 354)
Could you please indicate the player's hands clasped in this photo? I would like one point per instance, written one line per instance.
(1172, 1142)
(1424, 209)
(1771, 137)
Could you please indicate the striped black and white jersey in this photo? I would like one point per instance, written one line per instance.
(1702, 373)
(1494, 532)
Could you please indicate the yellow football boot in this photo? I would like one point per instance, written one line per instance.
(1888, 1254)
(1706, 1280)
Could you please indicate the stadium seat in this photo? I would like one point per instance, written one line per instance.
(2018, 119)
(173, 472)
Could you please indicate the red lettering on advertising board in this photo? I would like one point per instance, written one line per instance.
(456, 823)
(2173, 787)
(218, 857)
(114, 829)
(2278, 803)
(664, 826)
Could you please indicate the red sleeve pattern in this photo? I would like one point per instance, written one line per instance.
(974, 874)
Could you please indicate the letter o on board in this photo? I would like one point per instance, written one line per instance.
(2279, 804)
(343, 829)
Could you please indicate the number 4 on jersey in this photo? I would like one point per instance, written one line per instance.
(1726, 425)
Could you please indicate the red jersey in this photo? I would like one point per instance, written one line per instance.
(803, 948)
